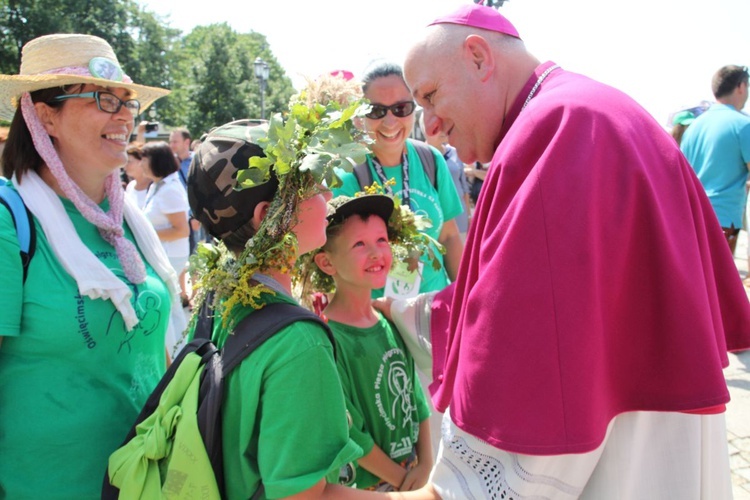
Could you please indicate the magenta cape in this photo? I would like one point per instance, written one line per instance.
(595, 279)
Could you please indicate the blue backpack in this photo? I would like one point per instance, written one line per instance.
(22, 220)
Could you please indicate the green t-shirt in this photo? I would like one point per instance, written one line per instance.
(284, 418)
(383, 393)
(439, 205)
(73, 378)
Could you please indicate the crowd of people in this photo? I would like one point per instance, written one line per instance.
(569, 322)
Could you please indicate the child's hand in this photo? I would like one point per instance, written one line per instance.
(415, 478)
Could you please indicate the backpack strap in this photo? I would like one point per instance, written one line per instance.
(261, 325)
(204, 326)
(363, 174)
(23, 221)
(427, 157)
(183, 178)
(248, 335)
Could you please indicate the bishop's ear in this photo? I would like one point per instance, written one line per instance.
(478, 53)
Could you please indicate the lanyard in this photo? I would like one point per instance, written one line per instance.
(405, 196)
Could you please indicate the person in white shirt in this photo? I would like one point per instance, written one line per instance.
(138, 183)
(166, 204)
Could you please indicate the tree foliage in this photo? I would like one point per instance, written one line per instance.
(23, 20)
(217, 64)
(210, 70)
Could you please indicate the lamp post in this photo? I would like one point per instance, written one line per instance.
(261, 73)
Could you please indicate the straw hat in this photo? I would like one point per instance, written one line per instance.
(65, 59)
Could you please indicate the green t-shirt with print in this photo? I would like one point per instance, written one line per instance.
(439, 205)
(383, 393)
(73, 378)
(284, 418)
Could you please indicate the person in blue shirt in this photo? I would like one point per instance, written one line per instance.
(717, 145)
(179, 142)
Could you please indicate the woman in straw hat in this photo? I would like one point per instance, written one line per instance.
(82, 339)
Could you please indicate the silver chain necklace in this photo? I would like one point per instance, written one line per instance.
(538, 83)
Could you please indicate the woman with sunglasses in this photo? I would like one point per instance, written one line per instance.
(395, 159)
(82, 336)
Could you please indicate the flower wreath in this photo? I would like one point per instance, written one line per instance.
(302, 147)
(406, 235)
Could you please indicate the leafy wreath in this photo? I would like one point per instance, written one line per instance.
(406, 235)
(302, 148)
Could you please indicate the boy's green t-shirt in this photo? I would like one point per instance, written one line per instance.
(284, 417)
(382, 390)
(73, 378)
(439, 205)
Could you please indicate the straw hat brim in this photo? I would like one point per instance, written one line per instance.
(13, 86)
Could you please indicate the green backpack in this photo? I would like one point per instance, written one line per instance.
(173, 450)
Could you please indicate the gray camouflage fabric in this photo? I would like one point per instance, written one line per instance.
(212, 179)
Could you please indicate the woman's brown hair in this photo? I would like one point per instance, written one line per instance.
(20, 155)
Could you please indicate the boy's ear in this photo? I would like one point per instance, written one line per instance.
(324, 263)
(259, 213)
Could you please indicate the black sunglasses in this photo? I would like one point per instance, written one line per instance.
(399, 110)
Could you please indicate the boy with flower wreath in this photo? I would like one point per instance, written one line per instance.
(389, 411)
(284, 421)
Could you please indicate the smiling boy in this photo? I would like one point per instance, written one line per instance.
(383, 395)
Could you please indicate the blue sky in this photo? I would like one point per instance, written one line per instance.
(661, 52)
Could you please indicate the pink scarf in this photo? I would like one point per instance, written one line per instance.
(109, 224)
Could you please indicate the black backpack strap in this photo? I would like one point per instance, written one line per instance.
(363, 174)
(211, 393)
(204, 326)
(261, 325)
(24, 223)
(248, 335)
(427, 157)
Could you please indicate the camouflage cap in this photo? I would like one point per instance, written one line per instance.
(341, 208)
(212, 179)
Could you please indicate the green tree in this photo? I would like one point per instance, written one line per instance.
(220, 84)
(279, 86)
(142, 41)
(154, 57)
(24, 20)
(210, 71)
